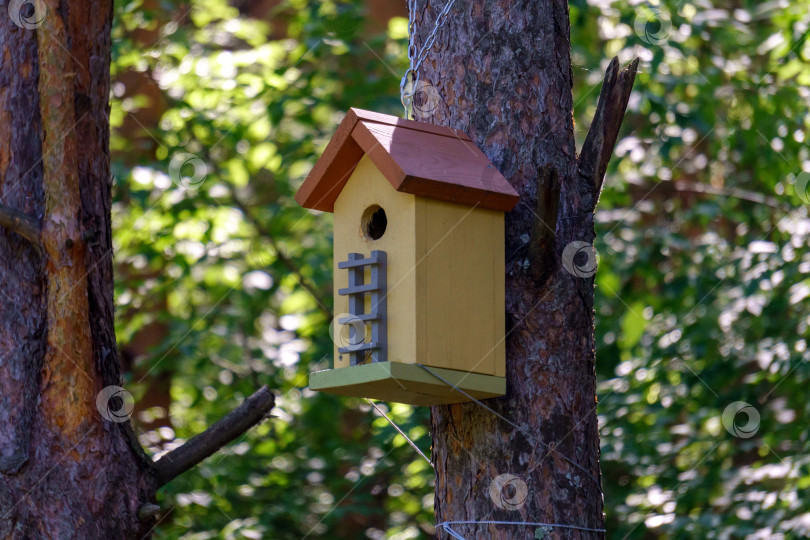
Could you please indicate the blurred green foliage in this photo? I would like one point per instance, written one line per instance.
(703, 290)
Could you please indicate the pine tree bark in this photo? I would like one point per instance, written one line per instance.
(65, 472)
(70, 465)
(500, 71)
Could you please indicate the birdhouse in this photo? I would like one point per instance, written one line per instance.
(418, 261)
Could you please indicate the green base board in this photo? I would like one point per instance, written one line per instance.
(406, 383)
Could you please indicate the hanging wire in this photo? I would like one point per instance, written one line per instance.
(445, 525)
(396, 427)
(415, 60)
(505, 419)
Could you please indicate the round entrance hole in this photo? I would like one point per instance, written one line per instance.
(374, 222)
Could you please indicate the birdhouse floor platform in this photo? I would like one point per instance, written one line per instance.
(406, 383)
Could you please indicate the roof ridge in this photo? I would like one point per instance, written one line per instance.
(387, 119)
(423, 159)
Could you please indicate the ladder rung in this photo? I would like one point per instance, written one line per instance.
(358, 348)
(368, 287)
(362, 317)
(354, 263)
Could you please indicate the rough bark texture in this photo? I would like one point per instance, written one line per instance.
(503, 73)
(66, 469)
(65, 472)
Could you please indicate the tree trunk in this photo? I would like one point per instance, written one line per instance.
(70, 465)
(501, 72)
(65, 472)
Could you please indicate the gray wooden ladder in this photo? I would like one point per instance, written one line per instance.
(358, 348)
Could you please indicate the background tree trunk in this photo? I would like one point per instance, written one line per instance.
(502, 73)
(65, 472)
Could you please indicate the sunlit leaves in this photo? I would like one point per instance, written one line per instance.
(720, 103)
(702, 292)
(205, 298)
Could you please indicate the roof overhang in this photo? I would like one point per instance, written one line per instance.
(422, 159)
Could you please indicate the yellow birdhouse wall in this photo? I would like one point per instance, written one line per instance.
(367, 187)
(445, 274)
(460, 287)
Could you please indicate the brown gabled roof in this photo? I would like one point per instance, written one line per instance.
(418, 158)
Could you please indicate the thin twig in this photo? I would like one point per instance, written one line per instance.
(225, 430)
(733, 192)
(20, 223)
(282, 257)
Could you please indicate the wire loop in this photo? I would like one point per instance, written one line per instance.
(445, 525)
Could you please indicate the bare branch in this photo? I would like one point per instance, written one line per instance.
(734, 192)
(225, 430)
(20, 223)
(601, 138)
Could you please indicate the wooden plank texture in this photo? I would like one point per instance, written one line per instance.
(406, 383)
(379, 118)
(367, 187)
(435, 166)
(332, 170)
(460, 305)
(424, 160)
